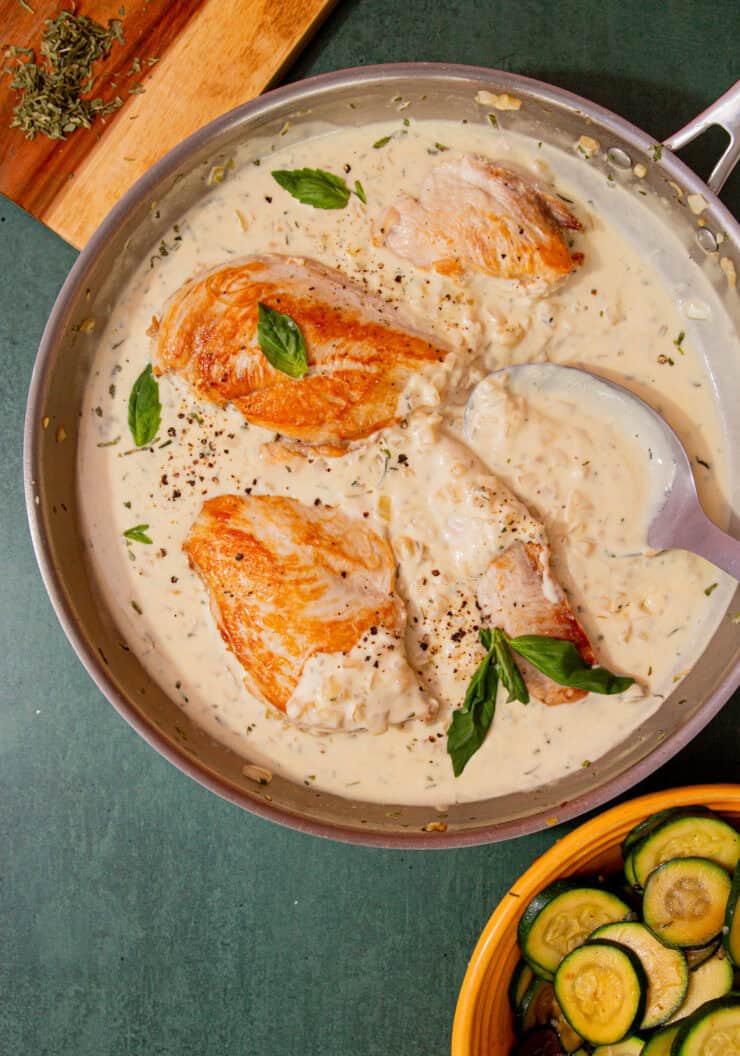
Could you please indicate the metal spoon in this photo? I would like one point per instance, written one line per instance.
(678, 520)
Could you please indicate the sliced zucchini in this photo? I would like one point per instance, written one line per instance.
(713, 1030)
(521, 977)
(540, 1042)
(629, 1047)
(561, 917)
(601, 989)
(711, 980)
(641, 830)
(661, 1041)
(685, 900)
(629, 871)
(535, 1009)
(701, 954)
(687, 836)
(732, 920)
(666, 969)
(569, 1040)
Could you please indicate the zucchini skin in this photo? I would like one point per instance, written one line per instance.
(630, 1046)
(543, 900)
(640, 979)
(658, 956)
(669, 933)
(710, 981)
(700, 954)
(641, 854)
(643, 828)
(535, 1008)
(661, 1042)
(521, 979)
(731, 931)
(682, 1045)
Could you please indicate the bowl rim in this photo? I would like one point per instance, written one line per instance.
(538, 874)
(300, 91)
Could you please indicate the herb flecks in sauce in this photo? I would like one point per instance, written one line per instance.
(137, 534)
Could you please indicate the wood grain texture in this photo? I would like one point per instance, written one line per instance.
(211, 55)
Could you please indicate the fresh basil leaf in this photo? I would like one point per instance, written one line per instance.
(471, 722)
(322, 190)
(509, 673)
(138, 533)
(360, 192)
(144, 408)
(281, 341)
(561, 661)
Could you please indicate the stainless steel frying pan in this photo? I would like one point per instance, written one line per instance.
(353, 98)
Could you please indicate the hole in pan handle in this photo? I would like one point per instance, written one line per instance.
(725, 112)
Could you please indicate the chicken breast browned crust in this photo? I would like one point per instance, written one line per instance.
(474, 215)
(362, 352)
(304, 597)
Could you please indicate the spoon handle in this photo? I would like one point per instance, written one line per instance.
(696, 532)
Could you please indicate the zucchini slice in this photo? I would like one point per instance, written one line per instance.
(540, 1042)
(732, 920)
(641, 830)
(711, 980)
(561, 917)
(629, 871)
(666, 969)
(633, 1046)
(569, 1040)
(687, 836)
(661, 1041)
(685, 901)
(713, 1030)
(601, 989)
(535, 1009)
(701, 954)
(521, 977)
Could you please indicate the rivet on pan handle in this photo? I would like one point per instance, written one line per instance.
(725, 112)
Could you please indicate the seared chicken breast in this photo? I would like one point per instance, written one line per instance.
(304, 598)
(362, 352)
(470, 555)
(474, 215)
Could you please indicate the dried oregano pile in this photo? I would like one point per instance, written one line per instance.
(52, 91)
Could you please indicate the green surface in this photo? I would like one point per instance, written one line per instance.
(142, 915)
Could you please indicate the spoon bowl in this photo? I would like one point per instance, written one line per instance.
(676, 518)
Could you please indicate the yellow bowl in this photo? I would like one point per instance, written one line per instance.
(483, 1023)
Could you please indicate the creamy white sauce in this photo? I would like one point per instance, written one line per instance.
(646, 616)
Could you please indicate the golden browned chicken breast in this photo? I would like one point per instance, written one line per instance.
(361, 351)
(473, 215)
(304, 598)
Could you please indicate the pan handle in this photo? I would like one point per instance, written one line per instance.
(725, 112)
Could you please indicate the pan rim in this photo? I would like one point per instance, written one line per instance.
(300, 91)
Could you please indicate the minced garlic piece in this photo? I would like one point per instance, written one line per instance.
(587, 146)
(257, 773)
(697, 204)
(504, 101)
(728, 266)
(640, 171)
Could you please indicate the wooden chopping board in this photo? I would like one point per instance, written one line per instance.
(211, 55)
